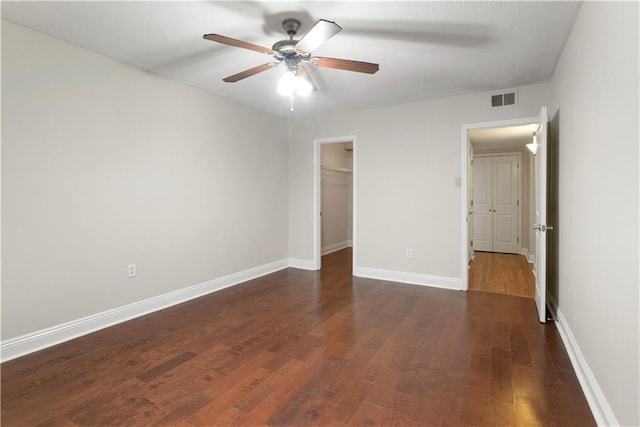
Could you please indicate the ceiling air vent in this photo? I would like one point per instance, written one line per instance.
(504, 99)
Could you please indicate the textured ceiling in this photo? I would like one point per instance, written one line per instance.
(425, 49)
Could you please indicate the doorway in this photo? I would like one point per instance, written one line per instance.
(500, 238)
(506, 249)
(538, 209)
(335, 197)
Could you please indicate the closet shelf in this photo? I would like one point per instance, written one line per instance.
(337, 169)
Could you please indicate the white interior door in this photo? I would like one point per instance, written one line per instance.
(482, 204)
(540, 225)
(505, 204)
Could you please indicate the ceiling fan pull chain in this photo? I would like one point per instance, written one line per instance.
(292, 96)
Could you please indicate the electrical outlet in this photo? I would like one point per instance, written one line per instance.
(409, 253)
(132, 270)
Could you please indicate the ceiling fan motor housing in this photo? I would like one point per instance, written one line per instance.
(285, 49)
(291, 26)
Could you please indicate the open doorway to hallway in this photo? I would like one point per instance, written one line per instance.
(501, 201)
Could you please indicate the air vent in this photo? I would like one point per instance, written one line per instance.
(506, 99)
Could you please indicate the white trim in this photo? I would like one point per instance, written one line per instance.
(317, 240)
(335, 247)
(34, 341)
(596, 399)
(464, 141)
(407, 277)
(531, 258)
(303, 264)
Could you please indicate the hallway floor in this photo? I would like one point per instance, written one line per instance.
(507, 274)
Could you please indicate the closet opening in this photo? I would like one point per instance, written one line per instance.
(334, 201)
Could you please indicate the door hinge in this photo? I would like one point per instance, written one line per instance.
(472, 203)
(518, 203)
(471, 162)
(517, 240)
(472, 243)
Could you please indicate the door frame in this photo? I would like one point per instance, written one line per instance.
(518, 188)
(317, 194)
(464, 216)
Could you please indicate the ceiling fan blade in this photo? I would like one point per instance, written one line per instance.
(302, 72)
(345, 64)
(322, 31)
(237, 43)
(250, 72)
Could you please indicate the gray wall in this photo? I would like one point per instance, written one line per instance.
(407, 161)
(595, 91)
(105, 165)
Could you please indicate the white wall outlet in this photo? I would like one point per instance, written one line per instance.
(409, 253)
(132, 270)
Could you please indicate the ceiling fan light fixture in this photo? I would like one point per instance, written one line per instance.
(287, 84)
(290, 84)
(303, 87)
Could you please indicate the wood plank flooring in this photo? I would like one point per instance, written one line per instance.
(508, 274)
(308, 348)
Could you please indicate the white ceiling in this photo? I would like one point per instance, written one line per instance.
(425, 49)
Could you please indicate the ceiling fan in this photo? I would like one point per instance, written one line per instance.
(295, 54)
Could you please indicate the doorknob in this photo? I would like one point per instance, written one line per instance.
(542, 227)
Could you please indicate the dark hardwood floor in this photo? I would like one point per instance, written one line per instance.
(508, 274)
(308, 348)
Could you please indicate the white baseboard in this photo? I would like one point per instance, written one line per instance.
(530, 257)
(29, 343)
(410, 278)
(335, 247)
(598, 403)
(303, 264)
